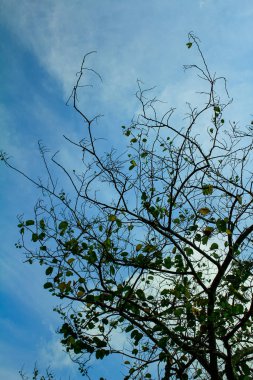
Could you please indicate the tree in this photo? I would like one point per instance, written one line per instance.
(37, 376)
(166, 261)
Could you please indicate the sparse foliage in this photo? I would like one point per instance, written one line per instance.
(36, 375)
(165, 257)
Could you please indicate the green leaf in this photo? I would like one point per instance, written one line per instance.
(62, 286)
(198, 373)
(189, 251)
(140, 293)
(29, 223)
(198, 237)
(92, 257)
(112, 218)
(217, 109)
(100, 354)
(167, 262)
(162, 343)
(78, 347)
(221, 225)
(42, 224)
(35, 237)
(149, 248)
(178, 312)
(239, 198)
(49, 271)
(136, 335)
(204, 240)
(129, 328)
(48, 285)
(41, 236)
(214, 246)
(89, 298)
(119, 223)
(99, 342)
(133, 165)
(138, 247)
(189, 45)
(204, 211)
(207, 189)
(63, 225)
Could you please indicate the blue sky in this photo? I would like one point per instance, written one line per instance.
(41, 47)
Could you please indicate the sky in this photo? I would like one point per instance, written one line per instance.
(41, 47)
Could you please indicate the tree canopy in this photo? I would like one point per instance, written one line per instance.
(154, 243)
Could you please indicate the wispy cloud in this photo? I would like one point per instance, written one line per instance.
(51, 353)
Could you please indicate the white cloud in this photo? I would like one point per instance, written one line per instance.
(52, 354)
(129, 44)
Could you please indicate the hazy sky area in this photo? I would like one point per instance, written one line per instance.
(41, 47)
